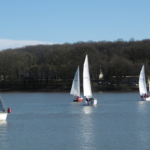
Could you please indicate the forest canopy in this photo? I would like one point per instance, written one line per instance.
(60, 61)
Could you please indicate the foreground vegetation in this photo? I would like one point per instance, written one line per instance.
(53, 66)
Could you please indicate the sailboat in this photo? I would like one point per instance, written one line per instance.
(142, 85)
(3, 111)
(75, 89)
(87, 84)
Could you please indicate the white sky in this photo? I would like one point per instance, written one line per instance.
(6, 43)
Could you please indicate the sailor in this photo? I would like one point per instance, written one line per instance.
(76, 98)
(91, 99)
(142, 96)
(146, 95)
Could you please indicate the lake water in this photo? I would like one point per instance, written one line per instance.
(51, 121)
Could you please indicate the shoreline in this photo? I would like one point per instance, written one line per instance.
(66, 90)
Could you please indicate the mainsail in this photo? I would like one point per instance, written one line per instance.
(86, 79)
(142, 82)
(75, 89)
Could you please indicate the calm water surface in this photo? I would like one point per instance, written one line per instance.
(41, 121)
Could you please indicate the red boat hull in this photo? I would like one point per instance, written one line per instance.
(78, 99)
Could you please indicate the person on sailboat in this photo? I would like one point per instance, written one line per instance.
(146, 95)
(91, 99)
(76, 98)
(87, 99)
(142, 96)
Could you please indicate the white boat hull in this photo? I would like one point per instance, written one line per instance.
(91, 103)
(3, 116)
(145, 99)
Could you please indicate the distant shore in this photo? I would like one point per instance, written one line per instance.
(63, 89)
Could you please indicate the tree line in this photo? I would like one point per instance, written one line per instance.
(31, 64)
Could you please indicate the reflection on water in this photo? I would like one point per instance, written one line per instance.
(3, 125)
(141, 105)
(3, 135)
(87, 109)
(142, 124)
(87, 130)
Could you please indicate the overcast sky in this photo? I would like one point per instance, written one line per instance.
(31, 22)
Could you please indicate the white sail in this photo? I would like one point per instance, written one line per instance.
(75, 89)
(86, 79)
(2, 108)
(142, 82)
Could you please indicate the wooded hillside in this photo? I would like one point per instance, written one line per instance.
(34, 63)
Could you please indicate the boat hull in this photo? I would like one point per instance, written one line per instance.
(78, 100)
(145, 99)
(3, 116)
(91, 103)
